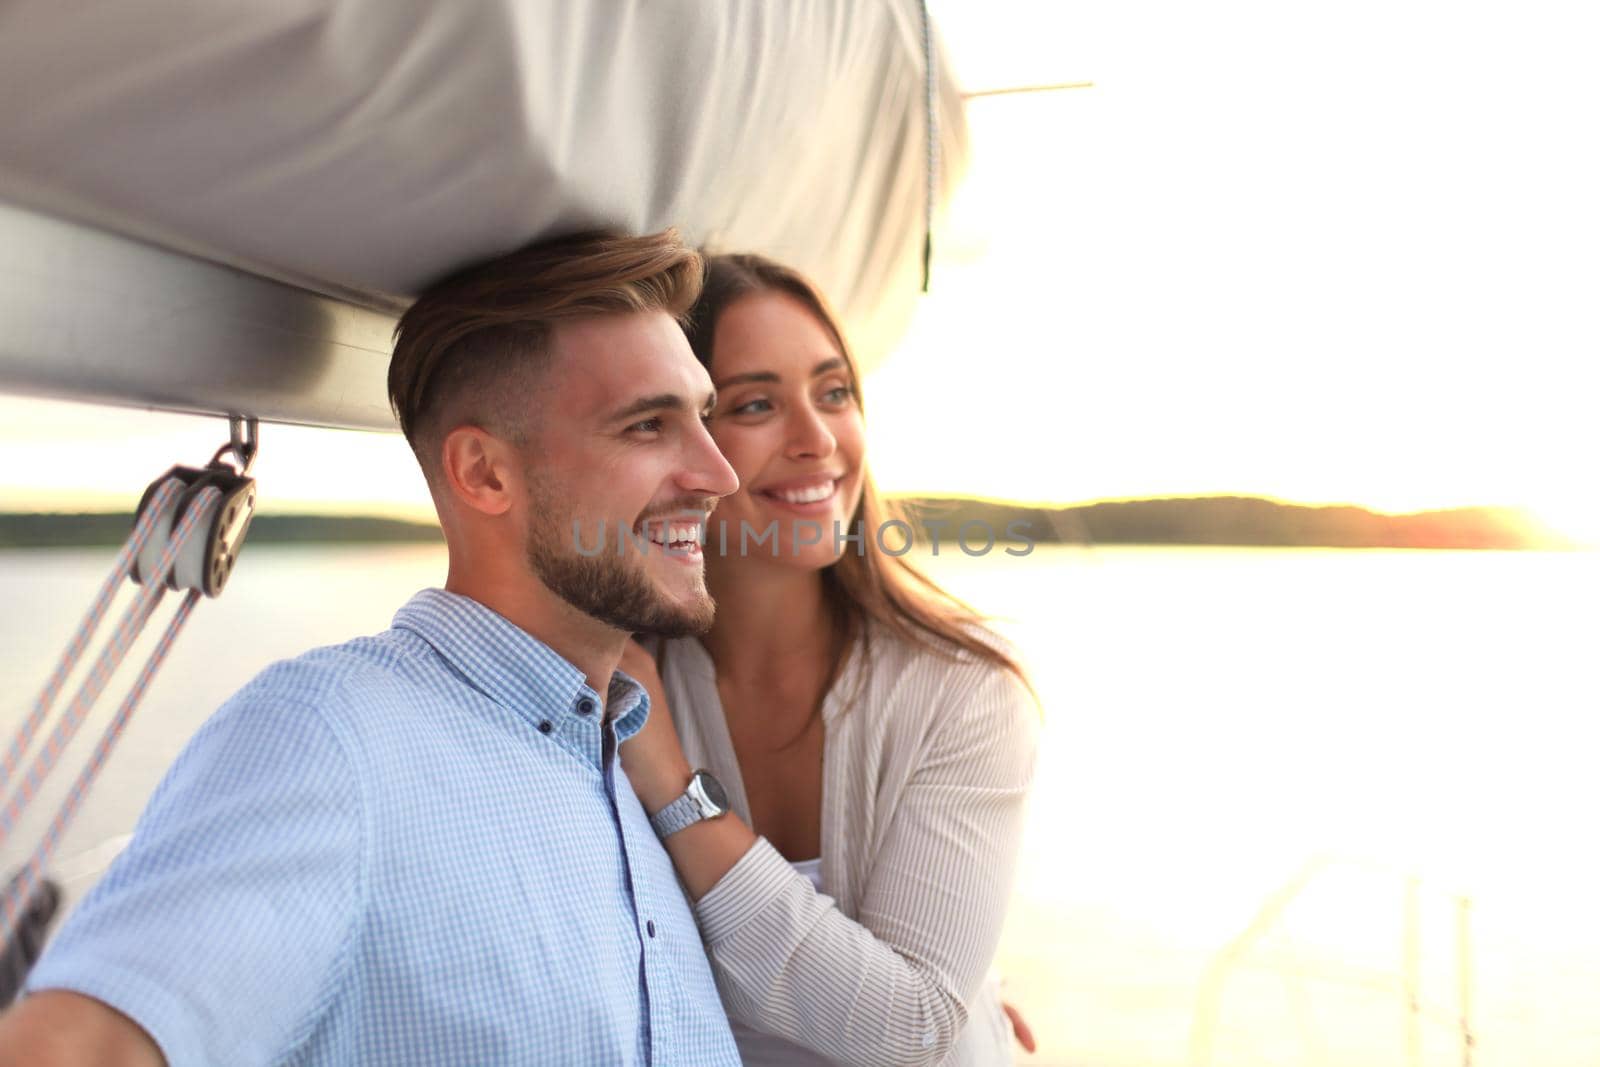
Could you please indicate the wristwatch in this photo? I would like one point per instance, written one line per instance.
(704, 799)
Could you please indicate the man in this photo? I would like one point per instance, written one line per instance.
(416, 848)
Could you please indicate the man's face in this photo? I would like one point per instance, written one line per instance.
(622, 473)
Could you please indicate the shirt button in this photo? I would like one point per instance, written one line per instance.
(545, 727)
(650, 927)
(585, 706)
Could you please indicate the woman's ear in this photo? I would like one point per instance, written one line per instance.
(480, 469)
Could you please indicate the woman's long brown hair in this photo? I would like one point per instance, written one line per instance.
(872, 583)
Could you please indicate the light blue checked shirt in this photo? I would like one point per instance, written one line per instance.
(414, 848)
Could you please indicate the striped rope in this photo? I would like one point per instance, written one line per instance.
(133, 621)
(14, 903)
(931, 119)
(158, 506)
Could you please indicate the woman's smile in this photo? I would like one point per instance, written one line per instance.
(809, 496)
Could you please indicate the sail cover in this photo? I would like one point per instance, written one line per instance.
(289, 174)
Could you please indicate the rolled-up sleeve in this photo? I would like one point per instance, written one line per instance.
(892, 987)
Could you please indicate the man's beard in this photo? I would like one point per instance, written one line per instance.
(605, 586)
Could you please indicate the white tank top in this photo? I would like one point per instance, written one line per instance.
(812, 869)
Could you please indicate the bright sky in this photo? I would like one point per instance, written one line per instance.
(1324, 253)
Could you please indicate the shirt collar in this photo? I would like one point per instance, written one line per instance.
(520, 672)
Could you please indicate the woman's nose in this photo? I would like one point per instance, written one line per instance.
(809, 435)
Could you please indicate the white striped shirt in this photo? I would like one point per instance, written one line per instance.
(926, 767)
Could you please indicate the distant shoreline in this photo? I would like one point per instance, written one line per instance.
(1253, 522)
(1215, 521)
(101, 529)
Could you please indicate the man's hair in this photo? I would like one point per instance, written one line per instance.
(468, 350)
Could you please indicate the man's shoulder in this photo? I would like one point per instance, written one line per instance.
(363, 674)
(327, 711)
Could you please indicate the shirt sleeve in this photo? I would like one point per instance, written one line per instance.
(224, 927)
(892, 987)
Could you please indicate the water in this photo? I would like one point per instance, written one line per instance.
(1218, 724)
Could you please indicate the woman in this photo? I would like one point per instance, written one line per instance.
(875, 736)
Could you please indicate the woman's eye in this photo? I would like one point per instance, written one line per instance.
(839, 394)
(758, 406)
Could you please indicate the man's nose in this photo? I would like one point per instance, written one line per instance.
(708, 471)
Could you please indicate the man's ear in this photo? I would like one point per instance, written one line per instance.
(481, 469)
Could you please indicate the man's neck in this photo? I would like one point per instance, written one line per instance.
(583, 641)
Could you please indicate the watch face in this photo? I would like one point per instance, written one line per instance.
(713, 790)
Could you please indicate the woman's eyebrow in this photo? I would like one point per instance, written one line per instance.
(753, 376)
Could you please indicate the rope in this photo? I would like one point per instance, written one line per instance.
(127, 631)
(931, 123)
(200, 495)
(14, 903)
(159, 505)
(1013, 90)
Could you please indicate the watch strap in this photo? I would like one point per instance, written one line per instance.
(685, 811)
(704, 798)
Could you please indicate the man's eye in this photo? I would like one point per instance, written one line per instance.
(652, 425)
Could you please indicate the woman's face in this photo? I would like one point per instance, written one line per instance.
(787, 421)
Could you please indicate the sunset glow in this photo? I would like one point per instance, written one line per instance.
(1354, 266)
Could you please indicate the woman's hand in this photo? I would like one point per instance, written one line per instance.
(637, 663)
(652, 759)
(654, 763)
(1019, 1027)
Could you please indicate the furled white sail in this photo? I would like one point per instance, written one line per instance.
(291, 172)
